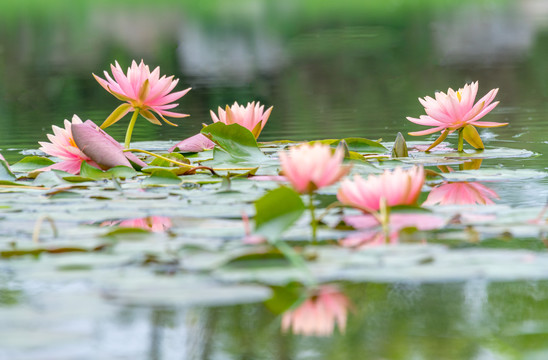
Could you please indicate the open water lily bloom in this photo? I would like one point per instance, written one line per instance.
(62, 146)
(318, 315)
(457, 110)
(310, 167)
(144, 92)
(396, 187)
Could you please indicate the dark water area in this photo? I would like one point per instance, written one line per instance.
(330, 71)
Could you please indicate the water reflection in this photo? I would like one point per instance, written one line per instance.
(324, 308)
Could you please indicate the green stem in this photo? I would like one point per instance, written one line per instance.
(313, 221)
(296, 260)
(130, 128)
(461, 140)
(385, 219)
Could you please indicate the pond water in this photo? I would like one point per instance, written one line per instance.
(354, 69)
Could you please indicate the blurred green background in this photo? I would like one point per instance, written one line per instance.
(330, 69)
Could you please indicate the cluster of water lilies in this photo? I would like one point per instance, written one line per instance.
(378, 206)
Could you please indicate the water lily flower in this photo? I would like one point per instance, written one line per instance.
(456, 110)
(310, 167)
(461, 193)
(101, 147)
(397, 187)
(252, 117)
(62, 146)
(318, 315)
(195, 143)
(144, 92)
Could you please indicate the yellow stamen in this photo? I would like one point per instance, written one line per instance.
(459, 96)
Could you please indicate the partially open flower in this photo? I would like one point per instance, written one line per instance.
(102, 148)
(318, 314)
(252, 117)
(310, 167)
(62, 146)
(461, 193)
(397, 187)
(456, 110)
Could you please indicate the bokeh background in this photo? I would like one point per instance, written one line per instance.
(329, 68)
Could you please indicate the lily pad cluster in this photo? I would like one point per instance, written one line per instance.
(282, 220)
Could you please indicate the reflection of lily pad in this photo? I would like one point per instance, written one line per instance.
(494, 175)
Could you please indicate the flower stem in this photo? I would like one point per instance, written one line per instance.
(461, 140)
(313, 221)
(130, 128)
(385, 219)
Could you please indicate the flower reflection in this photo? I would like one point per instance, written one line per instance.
(369, 232)
(461, 193)
(319, 313)
(150, 223)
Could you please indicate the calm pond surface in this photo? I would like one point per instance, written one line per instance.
(354, 69)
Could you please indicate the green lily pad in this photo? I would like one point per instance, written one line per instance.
(277, 211)
(31, 163)
(494, 175)
(236, 141)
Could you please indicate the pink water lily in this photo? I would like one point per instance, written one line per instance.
(252, 117)
(101, 147)
(397, 187)
(195, 143)
(456, 110)
(144, 92)
(310, 167)
(318, 315)
(62, 146)
(461, 193)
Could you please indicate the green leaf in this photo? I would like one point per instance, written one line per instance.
(268, 257)
(162, 177)
(31, 163)
(5, 172)
(472, 137)
(277, 211)
(127, 233)
(283, 297)
(236, 141)
(164, 163)
(121, 171)
(91, 172)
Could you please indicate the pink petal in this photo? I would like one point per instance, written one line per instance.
(196, 143)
